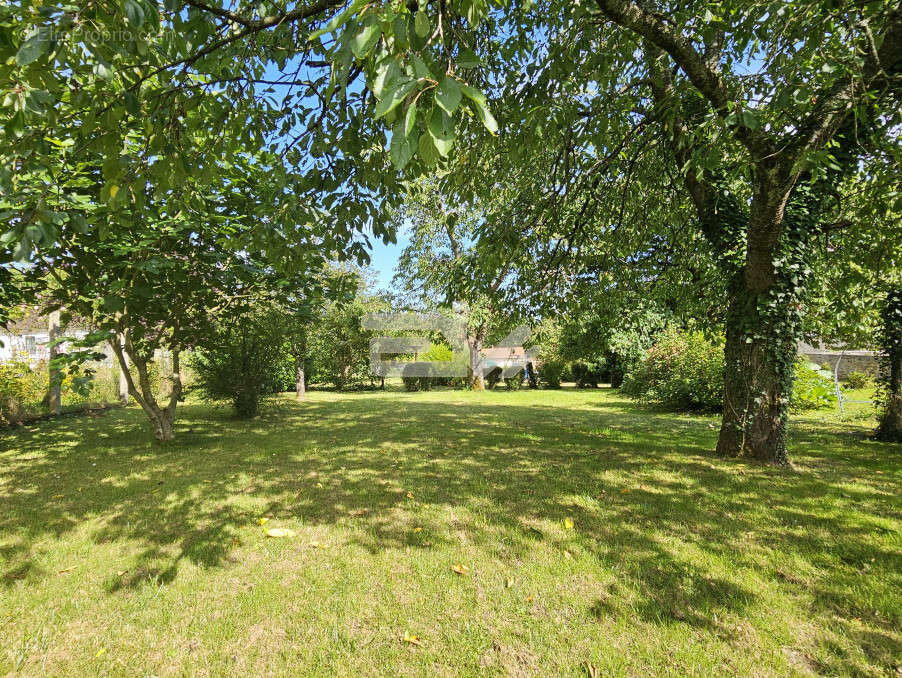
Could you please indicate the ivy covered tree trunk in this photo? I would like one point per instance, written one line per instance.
(759, 353)
(890, 428)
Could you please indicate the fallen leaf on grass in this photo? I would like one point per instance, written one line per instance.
(67, 569)
(591, 670)
(460, 568)
(412, 639)
(567, 555)
(100, 652)
(121, 572)
(508, 583)
(568, 523)
(359, 512)
(418, 529)
(529, 599)
(262, 521)
(410, 495)
(317, 545)
(279, 532)
(58, 496)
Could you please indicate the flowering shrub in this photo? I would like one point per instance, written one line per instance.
(682, 371)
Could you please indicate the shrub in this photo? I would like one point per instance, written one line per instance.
(492, 378)
(857, 380)
(241, 360)
(682, 371)
(549, 372)
(586, 374)
(515, 382)
(813, 387)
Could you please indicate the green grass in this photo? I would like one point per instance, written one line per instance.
(119, 556)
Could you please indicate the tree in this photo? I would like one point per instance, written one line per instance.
(439, 268)
(240, 357)
(338, 344)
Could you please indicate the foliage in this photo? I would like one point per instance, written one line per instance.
(858, 380)
(338, 345)
(813, 388)
(682, 371)
(241, 360)
(23, 389)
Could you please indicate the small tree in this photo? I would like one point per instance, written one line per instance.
(241, 360)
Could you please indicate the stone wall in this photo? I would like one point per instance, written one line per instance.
(850, 361)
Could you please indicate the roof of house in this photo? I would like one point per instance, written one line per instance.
(504, 353)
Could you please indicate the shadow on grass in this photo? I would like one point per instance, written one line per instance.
(630, 478)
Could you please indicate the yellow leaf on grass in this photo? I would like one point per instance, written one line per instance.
(460, 568)
(508, 583)
(317, 545)
(410, 495)
(121, 572)
(100, 652)
(418, 529)
(568, 523)
(279, 532)
(359, 512)
(567, 555)
(412, 639)
(262, 521)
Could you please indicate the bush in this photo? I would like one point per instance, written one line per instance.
(682, 371)
(549, 372)
(241, 360)
(586, 374)
(813, 387)
(515, 382)
(857, 380)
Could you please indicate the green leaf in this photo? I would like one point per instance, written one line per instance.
(395, 95)
(102, 70)
(338, 20)
(410, 118)
(401, 147)
(482, 108)
(15, 126)
(441, 127)
(387, 71)
(132, 105)
(365, 40)
(448, 94)
(426, 150)
(750, 120)
(421, 24)
(467, 59)
(33, 47)
(134, 13)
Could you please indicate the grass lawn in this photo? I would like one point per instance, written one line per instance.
(597, 537)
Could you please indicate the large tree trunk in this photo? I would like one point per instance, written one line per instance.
(890, 428)
(759, 355)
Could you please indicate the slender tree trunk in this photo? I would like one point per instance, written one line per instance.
(123, 382)
(54, 393)
(162, 419)
(299, 380)
(477, 373)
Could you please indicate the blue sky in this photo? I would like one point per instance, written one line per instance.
(384, 258)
